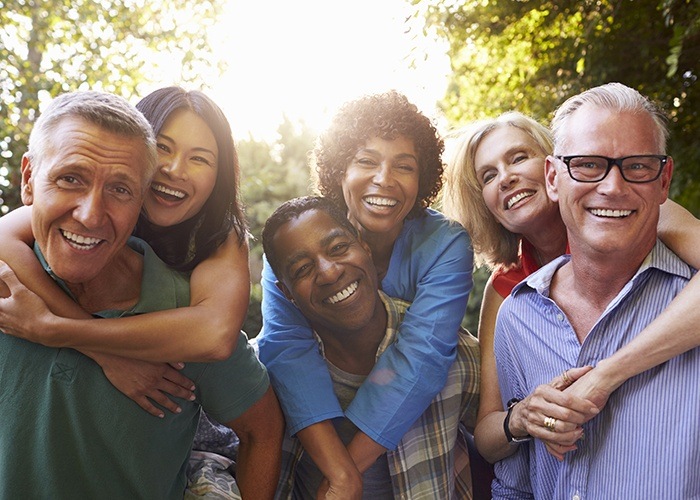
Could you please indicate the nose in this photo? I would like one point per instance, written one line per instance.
(90, 210)
(175, 167)
(383, 175)
(507, 179)
(613, 183)
(329, 271)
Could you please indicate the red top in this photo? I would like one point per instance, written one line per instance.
(504, 280)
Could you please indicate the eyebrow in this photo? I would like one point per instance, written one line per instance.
(398, 157)
(198, 148)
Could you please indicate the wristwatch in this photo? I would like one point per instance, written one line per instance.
(512, 439)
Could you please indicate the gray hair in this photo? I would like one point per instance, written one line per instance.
(613, 96)
(108, 111)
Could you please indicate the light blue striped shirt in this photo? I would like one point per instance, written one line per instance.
(645, 443)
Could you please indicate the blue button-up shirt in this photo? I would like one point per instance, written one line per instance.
(645, 443)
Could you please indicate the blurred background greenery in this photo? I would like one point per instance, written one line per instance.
(504, 54)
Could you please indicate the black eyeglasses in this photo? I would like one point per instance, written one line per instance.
(638, 168)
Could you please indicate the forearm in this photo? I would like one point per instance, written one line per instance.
(490, 438)
(330, 455)
(257, 470)
(205, 331)
(194, 334)
(673, 332)
(260, 430)
(364, 451)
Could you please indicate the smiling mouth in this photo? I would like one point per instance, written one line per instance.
(168, 193)
(515, 199)
(343, 294)
(612, 214)
(379, 201)
(80, 242)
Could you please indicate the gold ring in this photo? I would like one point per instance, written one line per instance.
(565, 376)
(550, 423)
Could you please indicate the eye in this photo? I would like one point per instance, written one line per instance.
(339, 248)
(406, 167)
(201, 159)
(487, 177)
(68, 181)
(520, 157)
(301, 271)
(366, 161)
(163, 147)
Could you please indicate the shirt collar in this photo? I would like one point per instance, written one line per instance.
(660, 258)
(393, 309)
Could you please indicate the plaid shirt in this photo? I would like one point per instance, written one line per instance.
(431, 460)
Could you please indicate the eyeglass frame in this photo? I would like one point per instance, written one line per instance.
(613, 161)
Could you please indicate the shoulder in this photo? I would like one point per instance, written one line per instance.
(432, 231)
(161, 286)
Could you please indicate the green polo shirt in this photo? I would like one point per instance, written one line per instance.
(66, 432)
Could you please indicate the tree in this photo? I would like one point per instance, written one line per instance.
(52, 46)
(271, 173)
(531, 55)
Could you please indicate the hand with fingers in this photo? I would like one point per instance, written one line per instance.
(553, 416)
(147, 383)
(592, 386)
(22, 312)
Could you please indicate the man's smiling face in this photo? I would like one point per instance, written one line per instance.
(327, 271)
(86, 195)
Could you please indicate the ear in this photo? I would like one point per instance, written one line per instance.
(283, 288)
(550, 178)
(27, 180)
(666, 176)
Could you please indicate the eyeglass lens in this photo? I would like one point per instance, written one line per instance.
(633, 168)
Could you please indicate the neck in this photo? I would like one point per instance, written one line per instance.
(548, 240)
(585, 286)
(118, 286)
(355, 351)
(381, 246)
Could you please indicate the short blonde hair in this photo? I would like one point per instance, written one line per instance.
(462, 198)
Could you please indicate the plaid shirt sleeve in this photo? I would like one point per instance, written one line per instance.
(431, 460)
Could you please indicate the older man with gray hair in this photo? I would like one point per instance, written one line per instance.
(609, 174)
(65, 431)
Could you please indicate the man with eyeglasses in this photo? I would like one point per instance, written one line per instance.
(609, 174)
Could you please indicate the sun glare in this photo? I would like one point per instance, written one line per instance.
(303, 59)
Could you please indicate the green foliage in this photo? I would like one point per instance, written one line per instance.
(531, 55)
(48, 47)
(271, 173)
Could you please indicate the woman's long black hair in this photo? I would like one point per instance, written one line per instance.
(188, 243)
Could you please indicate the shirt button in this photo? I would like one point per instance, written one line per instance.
(576, 497)
(560, 317)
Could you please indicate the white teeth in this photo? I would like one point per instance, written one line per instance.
(382, 202)
(515, 199)
(600, 212)
(167, 190)
(80, 242)
(343, 294)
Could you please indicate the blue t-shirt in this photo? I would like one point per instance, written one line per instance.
(430, 266)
